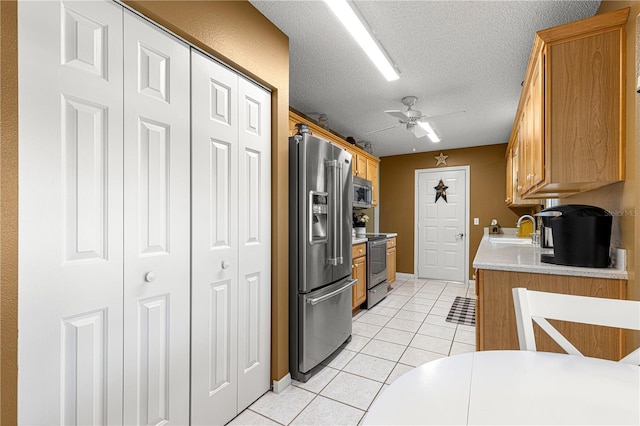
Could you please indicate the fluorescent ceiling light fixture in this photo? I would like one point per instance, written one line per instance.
(356, 27)
(430, 132)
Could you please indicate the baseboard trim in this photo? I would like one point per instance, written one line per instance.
(282, 384)
(401, 276)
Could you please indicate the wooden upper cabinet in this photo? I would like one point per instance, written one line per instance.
(513, 199)
(363, 164)
(569, 127)
(372, 175)
(359, 165)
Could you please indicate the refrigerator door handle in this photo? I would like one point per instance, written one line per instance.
(333, 259)
(333, 293)
(339, 193)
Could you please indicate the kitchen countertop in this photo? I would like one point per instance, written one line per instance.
(526, 258)
(360, 240)
(386, 234)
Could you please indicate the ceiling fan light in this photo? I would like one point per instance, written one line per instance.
(356, 27)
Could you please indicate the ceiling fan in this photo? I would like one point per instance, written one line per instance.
(412, 119)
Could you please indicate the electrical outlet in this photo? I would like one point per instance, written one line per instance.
(476, 221)
(618, 258)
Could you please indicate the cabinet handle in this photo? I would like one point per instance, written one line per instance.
(150, 276)
(225, 264)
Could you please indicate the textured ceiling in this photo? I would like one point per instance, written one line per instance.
(453, 55)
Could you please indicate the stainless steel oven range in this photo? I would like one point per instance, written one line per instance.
(376, 269)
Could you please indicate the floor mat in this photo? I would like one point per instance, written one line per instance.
(463, 311)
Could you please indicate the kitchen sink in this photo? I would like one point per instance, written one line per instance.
(509, 240)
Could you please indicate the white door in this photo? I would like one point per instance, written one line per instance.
(254, 298)
(441, 216)
(70, 213)
(156, 225)
(231, 276)
(214, 240)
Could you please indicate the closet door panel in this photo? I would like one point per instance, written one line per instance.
(254, 319)
(70, 213)
(214, 239)
(157, 225)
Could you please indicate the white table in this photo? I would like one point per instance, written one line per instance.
(509, 388)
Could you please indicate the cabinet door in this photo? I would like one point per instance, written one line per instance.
(536, 113)
(354, 162)
(510, 179)
(391, 265)
(520, 152)
(157, 226)
(361, 166)
(214, 241)
(586, 103)
(70, 213)
(372, 175)
(359, 292)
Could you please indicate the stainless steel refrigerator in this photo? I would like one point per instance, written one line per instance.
(320, 195)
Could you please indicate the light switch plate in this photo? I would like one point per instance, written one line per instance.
(476, 221)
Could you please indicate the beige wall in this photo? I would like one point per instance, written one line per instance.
(8, 212)
(233, 31)
(622, 198)
(486, 195)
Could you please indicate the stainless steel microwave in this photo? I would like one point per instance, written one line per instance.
(362, 193)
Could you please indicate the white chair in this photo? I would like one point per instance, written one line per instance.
(537, 306)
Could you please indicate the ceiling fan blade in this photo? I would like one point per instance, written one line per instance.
(380, 130)
(427, 118)
(397, 114)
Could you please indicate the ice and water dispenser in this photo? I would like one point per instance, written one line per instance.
(319, 213)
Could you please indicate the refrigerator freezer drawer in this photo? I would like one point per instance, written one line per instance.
(325, 322)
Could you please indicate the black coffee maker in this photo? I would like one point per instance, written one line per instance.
(580, 235)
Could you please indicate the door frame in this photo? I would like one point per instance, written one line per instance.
(416, 194)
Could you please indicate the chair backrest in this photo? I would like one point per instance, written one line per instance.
(538, 306)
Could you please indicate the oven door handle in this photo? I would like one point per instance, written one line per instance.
(330, 295)
(378, 243)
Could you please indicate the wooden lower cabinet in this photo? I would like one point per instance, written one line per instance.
(359, 272)
(496, 321)
(391, 260)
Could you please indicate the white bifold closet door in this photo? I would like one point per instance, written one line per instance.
(103, 311)
(231, 283)
(70, 258)
(156, 225)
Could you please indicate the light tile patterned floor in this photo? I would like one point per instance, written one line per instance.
(406, 329)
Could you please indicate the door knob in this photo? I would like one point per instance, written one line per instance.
(150, 276)
(225, 264)
(460, 235)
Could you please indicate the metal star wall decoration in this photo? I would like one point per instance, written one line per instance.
(441, 191)
(442, 159)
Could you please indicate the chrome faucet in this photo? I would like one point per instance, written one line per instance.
(526, 216)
